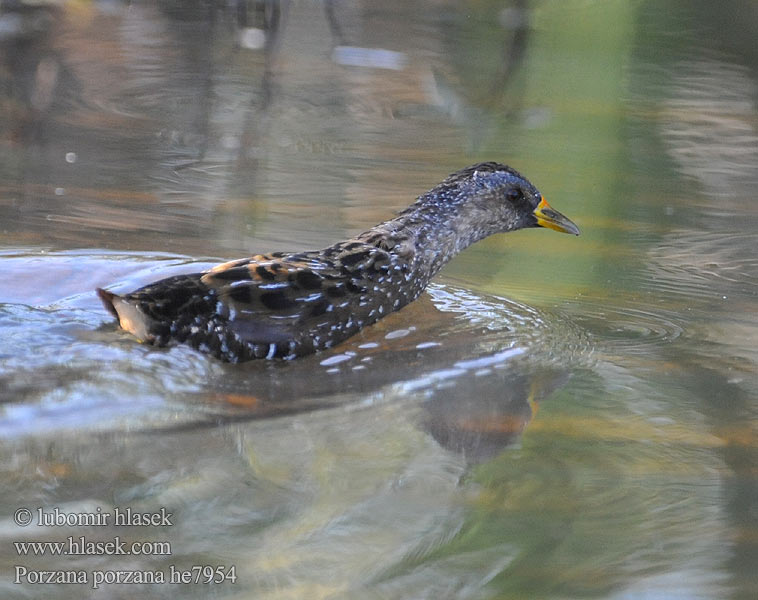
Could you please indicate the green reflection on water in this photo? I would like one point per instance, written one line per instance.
(567, 137)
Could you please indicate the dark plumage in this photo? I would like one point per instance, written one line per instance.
(284, 305)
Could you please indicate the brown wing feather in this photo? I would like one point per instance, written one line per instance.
(265, 286)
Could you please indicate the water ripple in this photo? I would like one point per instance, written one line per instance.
(631, 329)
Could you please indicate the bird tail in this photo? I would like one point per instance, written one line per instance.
(107, 299)
(129, 316)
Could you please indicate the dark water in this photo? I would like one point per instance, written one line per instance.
(558, 417)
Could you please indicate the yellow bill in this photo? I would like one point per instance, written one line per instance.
(552, 219)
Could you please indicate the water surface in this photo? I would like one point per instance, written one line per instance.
(557, 417)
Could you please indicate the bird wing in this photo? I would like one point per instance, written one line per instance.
(277, 286)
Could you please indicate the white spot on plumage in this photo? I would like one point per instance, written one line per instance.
(274, 286)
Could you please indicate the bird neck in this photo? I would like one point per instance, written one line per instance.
(435, 228)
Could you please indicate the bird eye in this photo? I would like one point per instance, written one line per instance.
(515, 194)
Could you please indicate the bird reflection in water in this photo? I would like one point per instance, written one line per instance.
(479, 417)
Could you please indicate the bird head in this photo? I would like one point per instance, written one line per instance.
(501, 199)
